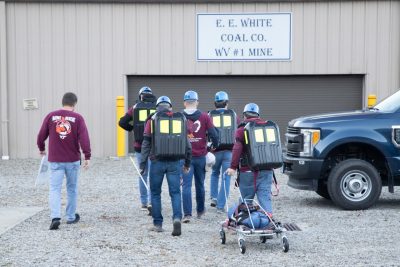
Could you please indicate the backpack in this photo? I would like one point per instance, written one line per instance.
(263, 145)
(169, 135)
(226, 123)
(141, 112)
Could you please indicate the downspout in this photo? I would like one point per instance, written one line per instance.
(3, 82)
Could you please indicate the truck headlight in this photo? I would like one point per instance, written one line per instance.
(311, 138)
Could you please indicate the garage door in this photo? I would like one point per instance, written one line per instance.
(281, 98)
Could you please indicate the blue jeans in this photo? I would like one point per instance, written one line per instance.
(144, 194)
(57, 172)
(172, 170)
(222, 163)
(198, 169)
(262, 187)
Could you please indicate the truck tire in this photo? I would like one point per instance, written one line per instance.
(322, 190)
(354, 184)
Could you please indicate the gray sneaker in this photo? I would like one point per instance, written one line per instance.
(177, 228)
(157, 228)
(186, 218)
(144, 207)
(220, 210)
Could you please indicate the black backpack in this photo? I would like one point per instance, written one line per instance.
(141, 112)
(263, 145)
(169, 135)
(226, 123)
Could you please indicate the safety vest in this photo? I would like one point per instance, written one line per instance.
(169, 135)
(263, 145)
(226, 124)
(142, 110)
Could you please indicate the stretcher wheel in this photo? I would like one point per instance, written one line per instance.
(285, 244)
(222, 236)
(242, 246)
(263, 239)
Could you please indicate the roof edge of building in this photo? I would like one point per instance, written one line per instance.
(173, 1)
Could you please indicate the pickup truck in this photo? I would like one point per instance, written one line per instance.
(346, 157)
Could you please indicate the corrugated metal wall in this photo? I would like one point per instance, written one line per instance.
(88, 48)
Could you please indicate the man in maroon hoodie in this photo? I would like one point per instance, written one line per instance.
(251, 182)
(67, 134)
(201, 124)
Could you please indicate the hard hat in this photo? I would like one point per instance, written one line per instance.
(145, 90)
(251, 107)
(221, 96)
(190, 96)
(163, 99)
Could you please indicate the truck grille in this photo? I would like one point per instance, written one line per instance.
(294, 142)
(293, 130)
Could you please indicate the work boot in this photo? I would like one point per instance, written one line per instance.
(77, 218)
(186, 218)
(157, 228)
(177, 228)
(55, 222)
(149, 208)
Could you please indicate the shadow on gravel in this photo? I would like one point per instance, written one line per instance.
(327, 204)
(317, 203)
(387, 204)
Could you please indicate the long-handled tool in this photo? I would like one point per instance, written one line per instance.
(140, 175)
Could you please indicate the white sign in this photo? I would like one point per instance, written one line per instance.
(252, 36)
(30, 103)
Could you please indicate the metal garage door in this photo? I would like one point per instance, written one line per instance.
(281, 98)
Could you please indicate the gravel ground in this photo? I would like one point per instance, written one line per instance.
(113, 230)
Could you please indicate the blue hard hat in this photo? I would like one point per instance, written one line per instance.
(190, 95)
(221, 96)
(251, 107)
(163, 99)
(145, 90)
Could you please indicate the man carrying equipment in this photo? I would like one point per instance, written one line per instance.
(258, 149)
(225, 121)
(135, 119)
(166, 143)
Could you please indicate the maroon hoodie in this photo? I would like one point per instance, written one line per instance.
(239, 150)
(200, 124)
(67, 133)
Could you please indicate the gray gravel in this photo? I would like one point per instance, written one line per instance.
(113, 230)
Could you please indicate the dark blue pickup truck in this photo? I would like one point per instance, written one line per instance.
(346, 157)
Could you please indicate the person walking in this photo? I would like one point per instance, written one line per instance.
(200, 125)
(225, 121)
(134, 120)
(251, 181)
(68, 134)
(166, 143)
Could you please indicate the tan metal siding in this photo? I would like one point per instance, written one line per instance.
(3, 78)
(89, 48)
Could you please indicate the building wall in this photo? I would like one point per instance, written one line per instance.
(89, 48)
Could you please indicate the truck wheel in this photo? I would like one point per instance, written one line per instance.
(322, 190)
(354, 184)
